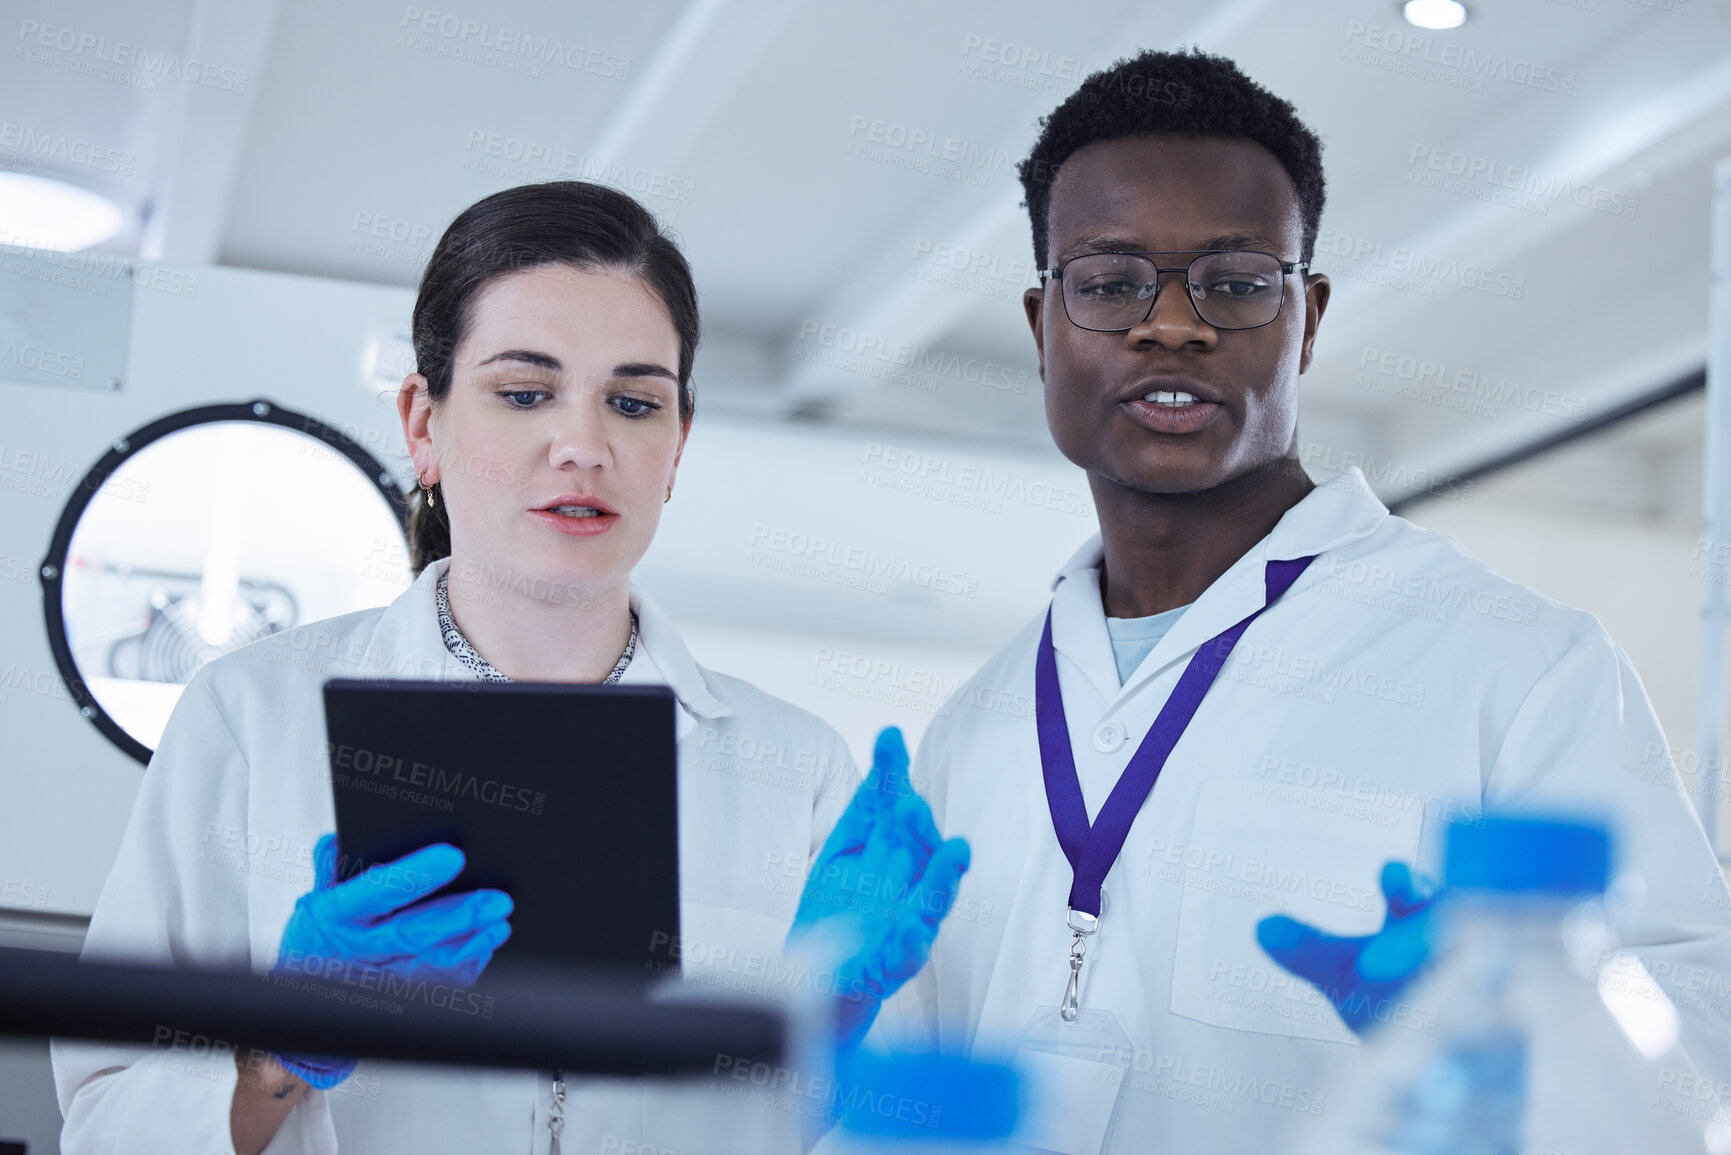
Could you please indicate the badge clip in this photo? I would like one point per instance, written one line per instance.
(1081, 924)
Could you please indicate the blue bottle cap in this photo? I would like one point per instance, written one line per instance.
(1528, 855)
(937, 1098)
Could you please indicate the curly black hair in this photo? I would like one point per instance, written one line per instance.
(1187, 93)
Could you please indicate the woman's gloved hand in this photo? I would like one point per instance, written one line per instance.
(881, 885)
(360, 923)
(1360, 975)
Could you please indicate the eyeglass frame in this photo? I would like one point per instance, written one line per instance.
(1286, 268)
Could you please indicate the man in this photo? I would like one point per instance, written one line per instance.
(1389, 685)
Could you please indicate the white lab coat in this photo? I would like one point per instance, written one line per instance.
(219, 847)
(1398, 682)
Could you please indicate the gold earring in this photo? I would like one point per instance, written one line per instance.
(669, 496)
(427, 489)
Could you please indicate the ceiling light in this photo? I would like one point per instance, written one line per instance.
(40, 213)
(1437, 14)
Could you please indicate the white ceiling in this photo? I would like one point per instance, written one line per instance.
(739, 122)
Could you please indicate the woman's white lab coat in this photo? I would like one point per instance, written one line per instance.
(1399, 682)
(219, 847)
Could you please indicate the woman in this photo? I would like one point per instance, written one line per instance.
(554, 333)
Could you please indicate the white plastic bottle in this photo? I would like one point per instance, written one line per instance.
(1512, 1048)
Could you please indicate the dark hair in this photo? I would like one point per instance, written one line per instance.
(586, 226)
(1183, 93)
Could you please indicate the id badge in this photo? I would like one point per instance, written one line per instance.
(1073, 1075)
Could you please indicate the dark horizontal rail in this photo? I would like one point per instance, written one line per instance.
(576, 1022)
(1688, 383)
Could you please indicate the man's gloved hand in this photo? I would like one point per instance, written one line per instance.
(1358, 975)
(361, 923)
(881, 885)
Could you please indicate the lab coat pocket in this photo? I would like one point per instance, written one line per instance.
(1256, 850)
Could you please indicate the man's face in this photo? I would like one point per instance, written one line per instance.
(1174, 194)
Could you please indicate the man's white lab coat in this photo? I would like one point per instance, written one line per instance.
(219, 848)
(1397, 684)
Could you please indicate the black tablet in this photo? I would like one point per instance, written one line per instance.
(563, 796)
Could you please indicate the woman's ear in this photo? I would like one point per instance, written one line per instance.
(415, 407)
(679, 450)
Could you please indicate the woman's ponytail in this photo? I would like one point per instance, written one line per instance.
(429, 530)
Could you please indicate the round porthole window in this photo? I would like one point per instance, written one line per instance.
(204, 531)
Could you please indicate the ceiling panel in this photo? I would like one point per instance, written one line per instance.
(842, 177)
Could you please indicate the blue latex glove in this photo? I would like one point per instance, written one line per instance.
(1360, 975)
(881, 885)
(339, 927)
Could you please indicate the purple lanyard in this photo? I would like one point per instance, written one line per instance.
(1092, 851)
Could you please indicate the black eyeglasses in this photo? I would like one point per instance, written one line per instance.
(1229, 288)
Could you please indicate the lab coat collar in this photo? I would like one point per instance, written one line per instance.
(670, 664)
(1340, 510)
(406, 643)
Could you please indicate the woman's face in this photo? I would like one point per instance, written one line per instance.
(560, 435)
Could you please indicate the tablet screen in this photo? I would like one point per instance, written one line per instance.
(563, 796)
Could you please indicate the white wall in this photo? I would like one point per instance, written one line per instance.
(861, 577)
(858, 576)
(1639, 579)
(239, 336)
